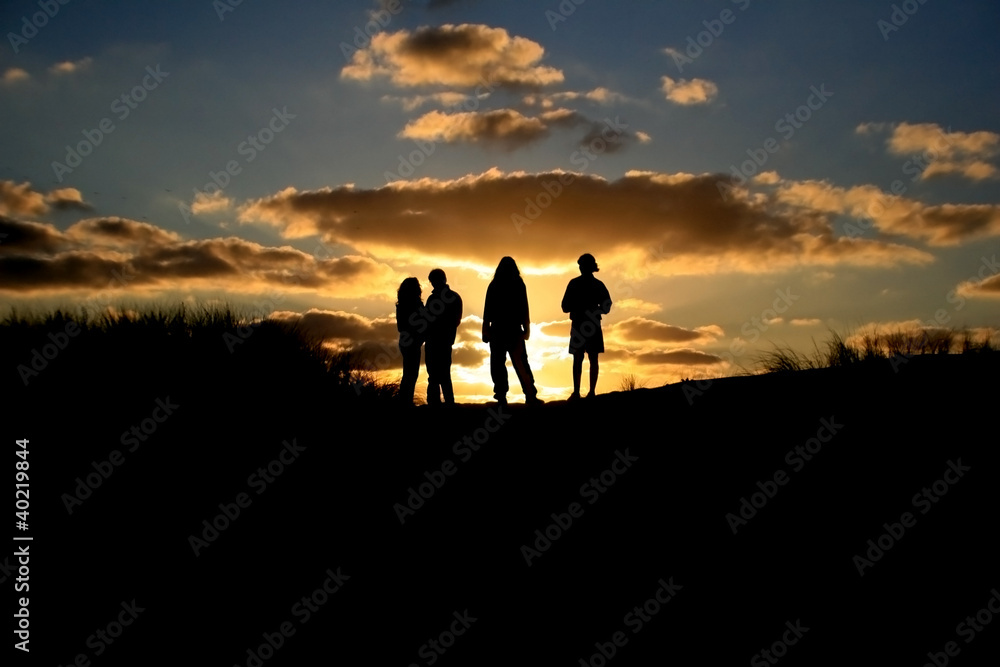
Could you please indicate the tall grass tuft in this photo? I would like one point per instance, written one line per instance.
(207, 348)
(874, 345)
(630, 382)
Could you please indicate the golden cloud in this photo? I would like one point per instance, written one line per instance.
(688, 92)
(988, 287)
(938, 225)
(71, 66)
(504, 126)
(599, 95)
(512, 129)
(941, 151)
(14, 74)
(542, 219)
(22, 200)
(216, 202)
(452, 55)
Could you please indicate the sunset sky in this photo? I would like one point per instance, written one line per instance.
(747, 174)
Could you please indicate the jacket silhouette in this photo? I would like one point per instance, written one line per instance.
(443, 313)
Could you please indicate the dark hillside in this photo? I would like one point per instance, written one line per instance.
(650, 476)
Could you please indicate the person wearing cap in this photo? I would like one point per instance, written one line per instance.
(586, 299)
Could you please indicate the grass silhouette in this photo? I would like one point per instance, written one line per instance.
(874, 346)
(184, 345)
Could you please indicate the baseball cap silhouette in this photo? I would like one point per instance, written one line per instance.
(587, 262)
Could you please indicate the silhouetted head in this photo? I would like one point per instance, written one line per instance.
(507, 270)
(437, 278)
(587, 263)
(408, 292)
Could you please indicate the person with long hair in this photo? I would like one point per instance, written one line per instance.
(410, 324)
(506, 326)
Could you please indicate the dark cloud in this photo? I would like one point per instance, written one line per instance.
(374, 341)
(131, 255)
(511, 129)
(678, 357)
(542, 219)
(17, 237)
(641, 329)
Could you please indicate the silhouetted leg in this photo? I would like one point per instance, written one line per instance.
(445, 375)
(577, 371)
(594, 369)
(519, 359)
(411, 368)
(432, 359)
(498, 368)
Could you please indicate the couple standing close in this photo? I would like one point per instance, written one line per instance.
(506, 327)
(433, 324)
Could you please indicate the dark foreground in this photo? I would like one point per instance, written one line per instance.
(619, 504)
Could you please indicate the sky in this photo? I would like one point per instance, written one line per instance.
(748, 175)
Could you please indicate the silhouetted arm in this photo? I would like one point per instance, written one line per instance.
(486, 316)
(605, 300)
(527, 316)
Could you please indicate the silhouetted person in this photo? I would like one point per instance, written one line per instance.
(410, 324)
(506, 325)
(443, 312)
(586, 299)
